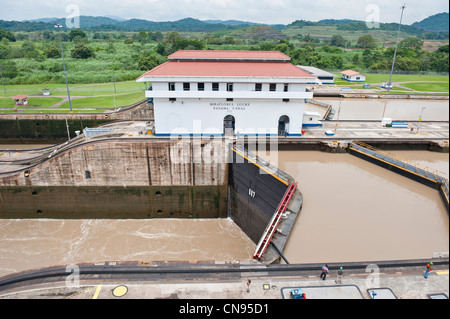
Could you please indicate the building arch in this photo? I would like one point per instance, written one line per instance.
(283, 125)
(229, 125)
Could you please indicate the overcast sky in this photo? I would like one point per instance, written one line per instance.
(261, 11)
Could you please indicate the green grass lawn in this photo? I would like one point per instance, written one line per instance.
(424, 83)
(379, 78)
(104, 102)
(74, 89)
(84, 105)
(428, 86)
(38, 102)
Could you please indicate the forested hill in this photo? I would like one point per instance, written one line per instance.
(436, 23)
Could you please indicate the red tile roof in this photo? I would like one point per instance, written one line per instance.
(20, 97)
(228, 55)
(350, 72)
(227, 69)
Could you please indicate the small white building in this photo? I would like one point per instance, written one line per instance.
(221, 93)
(353, 76)
(311, 119)
(20, 100)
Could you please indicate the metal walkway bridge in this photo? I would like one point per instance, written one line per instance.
(403, 166)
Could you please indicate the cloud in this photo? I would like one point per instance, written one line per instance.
(262, 11)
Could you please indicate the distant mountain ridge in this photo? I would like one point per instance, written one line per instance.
(435, 23)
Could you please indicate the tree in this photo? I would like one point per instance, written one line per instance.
(338, 41)
(440, 59)
(8, 69)
(411, 43)
(142, 37)
(356, 59)
(5, 51)
(82, 51)
(173, 42)
(147, 61)
(284, 46)
(30, 50)
(155, 36)
(74, 33)
(172, 37)
(443, 49)
(52, 52)
(7, 34)
(366, 42)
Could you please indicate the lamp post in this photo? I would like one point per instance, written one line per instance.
(58, 26)
(395, 50)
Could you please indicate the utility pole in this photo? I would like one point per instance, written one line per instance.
(58, 26)
(395, 51)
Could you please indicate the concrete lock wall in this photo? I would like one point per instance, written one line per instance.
(135, 202)
(122, 179)
(123, 162)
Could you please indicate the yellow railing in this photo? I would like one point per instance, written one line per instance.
(437, 174)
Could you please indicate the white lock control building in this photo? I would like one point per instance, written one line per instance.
(228, 93)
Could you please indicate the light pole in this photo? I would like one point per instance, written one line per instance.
(58, 26)
(395, 51)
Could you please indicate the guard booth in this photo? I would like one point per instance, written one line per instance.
(311, 119)
(20, 100)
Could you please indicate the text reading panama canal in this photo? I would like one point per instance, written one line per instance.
(229, 106)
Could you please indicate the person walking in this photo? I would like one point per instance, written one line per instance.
(324, 273)
(339, 276)
(428, 271)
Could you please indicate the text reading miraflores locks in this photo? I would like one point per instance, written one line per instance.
(229, 106)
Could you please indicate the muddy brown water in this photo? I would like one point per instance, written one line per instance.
(357, 211)
(29, 244)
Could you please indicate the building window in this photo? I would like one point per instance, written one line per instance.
(286, 87)
(201, 86)
(215, 86)
(186, 86)
(171, 86)
(230, 87)
(272, 87)
(258, 87)
(172, 99)
(286, 100)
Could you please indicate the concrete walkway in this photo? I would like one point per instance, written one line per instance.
(396, 283)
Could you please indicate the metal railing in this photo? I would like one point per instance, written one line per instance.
(403, 162)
